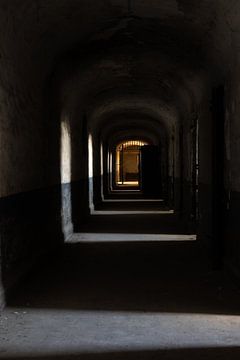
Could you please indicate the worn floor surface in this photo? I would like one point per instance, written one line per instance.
(129, 300)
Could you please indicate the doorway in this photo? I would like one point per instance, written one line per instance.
(128, 164)
(150, 161)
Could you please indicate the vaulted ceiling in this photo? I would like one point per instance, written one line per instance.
(151, 57)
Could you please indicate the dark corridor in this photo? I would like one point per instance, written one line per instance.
(119, 179)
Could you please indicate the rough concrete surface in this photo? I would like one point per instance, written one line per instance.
(122, 301)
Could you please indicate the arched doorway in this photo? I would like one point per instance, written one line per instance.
(128, 164)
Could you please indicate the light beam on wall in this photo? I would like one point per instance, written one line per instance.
(66, 206)
(90, 173)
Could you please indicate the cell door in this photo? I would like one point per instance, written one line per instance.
(218, 192)
(150, 169)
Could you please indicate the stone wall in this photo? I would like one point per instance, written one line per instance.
(148, 61)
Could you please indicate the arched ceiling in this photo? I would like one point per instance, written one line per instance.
(125, 126)
(48, 28)
(126, 79)
(130, 106)
(136, 134)
(163, 50)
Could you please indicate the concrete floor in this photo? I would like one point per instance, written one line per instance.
(135, 205)
(136, 217)
(116, 237)
(123, 300)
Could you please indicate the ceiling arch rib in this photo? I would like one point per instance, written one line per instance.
(127, 127)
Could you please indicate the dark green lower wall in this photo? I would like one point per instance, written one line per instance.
(205, 218)
(79, 202)
(30, 225)
(221, 235)
(35, 223)
(232, 234)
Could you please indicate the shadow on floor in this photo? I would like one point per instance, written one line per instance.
(225, 353)
(137, 224)
(145, 277)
